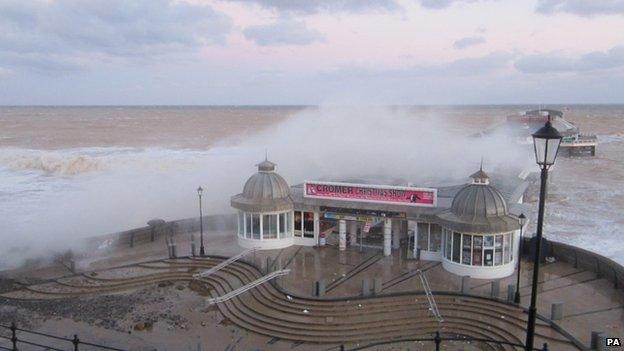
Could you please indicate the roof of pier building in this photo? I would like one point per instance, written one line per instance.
(478, 208)
(265, 191)
(512, 189)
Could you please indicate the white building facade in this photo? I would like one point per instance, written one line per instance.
(469, 228)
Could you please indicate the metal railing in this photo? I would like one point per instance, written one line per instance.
(437, 341)
(432, 303)
(224, 263)
(17, 337)
(247, 287)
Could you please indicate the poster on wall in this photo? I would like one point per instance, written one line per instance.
(396, 195)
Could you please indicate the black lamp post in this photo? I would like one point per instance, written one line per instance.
(546, 142)
(521, 221)
(201, 224)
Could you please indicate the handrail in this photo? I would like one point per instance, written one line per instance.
(247, 287)
(432, 303)
(224, 263)
(438, 339)
(16, 339)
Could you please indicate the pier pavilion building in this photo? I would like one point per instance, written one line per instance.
(471, 228)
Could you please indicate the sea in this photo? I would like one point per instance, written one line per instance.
(68, 173)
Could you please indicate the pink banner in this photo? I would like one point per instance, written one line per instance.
(371, 193)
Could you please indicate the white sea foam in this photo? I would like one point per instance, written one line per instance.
(48, 199)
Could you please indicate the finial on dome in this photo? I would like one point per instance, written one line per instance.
(266, 166)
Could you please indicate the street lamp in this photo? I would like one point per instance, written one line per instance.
(521, 221)
(201, 224)
(546, 142)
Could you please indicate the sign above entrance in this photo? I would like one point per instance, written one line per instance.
(385, 194)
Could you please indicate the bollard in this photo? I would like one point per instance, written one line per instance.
(594, 339)
(601, 342)
(14, 336)
(511, 292)
(320, 288)
(365, 287)
(437, 339)
(495, 290)
(174, 250)
(465, 284)
(72, 266)
(193, 248)
(76, 342)
(377, 285)
(169, 249)
(556, 311)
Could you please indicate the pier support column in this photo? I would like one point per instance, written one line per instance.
(317, 227)
(342, 235)
(412, 227)
(396, 234)
(387, 230)
(353, 225)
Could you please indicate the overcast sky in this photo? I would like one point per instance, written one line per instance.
(58, 52)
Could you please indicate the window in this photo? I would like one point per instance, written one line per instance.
(498, 253)
(435, 237)
(248, 225)
(456, 246)
(241, 224)
(448, 244)
(423, 236)
(255, 222)
(506, 248)
(308, 224)
(477, 250)
(298, 223)
(282, 225)
(466, 249)
(269, 226)
(488, 241)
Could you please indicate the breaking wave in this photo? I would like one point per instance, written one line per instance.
(51, 163)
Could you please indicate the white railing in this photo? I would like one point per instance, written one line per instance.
(224, 263)
(247, 287)
(433, 306)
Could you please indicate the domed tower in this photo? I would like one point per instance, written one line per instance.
(480, 237)
(265, 210)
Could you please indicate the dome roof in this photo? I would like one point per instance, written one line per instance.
(479, 199)
(479, 208)
(264, 191)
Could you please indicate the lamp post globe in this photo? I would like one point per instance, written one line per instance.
(521, 221)
(546, 143)
(202, 251)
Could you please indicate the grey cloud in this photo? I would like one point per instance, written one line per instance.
(558, 63)
(441, 4)
(70, 30)
(581, 7)
(459, 68)
(468, 42)
(314, 6)
(283, 32)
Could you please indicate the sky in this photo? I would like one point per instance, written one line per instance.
(309, 52)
